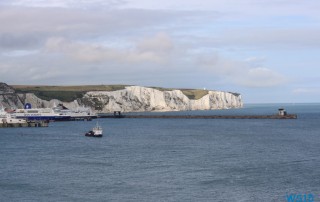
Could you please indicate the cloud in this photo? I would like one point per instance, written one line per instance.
(306, 91)
(161, 42)
(260, 77)
(241, 73)
(231, 8)
(279, 38)
(30, 27)
(63, 3)
(17, 41)
(260, 38)
(236, 9)
(183, 43)
(154, 49)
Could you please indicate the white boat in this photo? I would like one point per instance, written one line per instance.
(5, 117)
(95, 132)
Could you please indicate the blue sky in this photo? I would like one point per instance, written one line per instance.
(267, 50)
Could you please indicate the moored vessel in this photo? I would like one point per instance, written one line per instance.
(45, 114)
(38, 114)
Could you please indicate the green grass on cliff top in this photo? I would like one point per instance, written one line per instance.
(86, 88)
(64, 93)
(70, 93)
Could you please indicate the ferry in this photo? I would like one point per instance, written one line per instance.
(43, 114)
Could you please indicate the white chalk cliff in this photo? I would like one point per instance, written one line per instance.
(136, 98)
(130, 99)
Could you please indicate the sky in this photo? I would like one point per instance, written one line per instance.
(266, 50)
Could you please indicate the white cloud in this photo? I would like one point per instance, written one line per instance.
(260, 77)
(63, 3)
(29, 28)
(155, 49)
(235, 8)
(241, 73)
(256, 60)
(160, 42)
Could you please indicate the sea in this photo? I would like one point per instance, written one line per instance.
(167, 159)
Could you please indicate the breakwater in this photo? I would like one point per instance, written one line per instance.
(26, 124)
(288, 116)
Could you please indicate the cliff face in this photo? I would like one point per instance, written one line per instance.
(8, 97)
(39, 103)
(136, 98)
(130, 99)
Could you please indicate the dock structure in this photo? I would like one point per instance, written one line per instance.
(282, 114)
(275, 116)
(25, 124)
(116, 114)
(289, 116)
(79, 118)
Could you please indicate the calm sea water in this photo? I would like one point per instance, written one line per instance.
(166, 159)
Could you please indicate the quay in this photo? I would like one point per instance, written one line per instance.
(79, 118)
(25, 124)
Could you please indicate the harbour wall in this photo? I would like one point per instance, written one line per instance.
(27, 124)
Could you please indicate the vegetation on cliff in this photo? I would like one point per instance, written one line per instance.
(64, 93)
(70, 93)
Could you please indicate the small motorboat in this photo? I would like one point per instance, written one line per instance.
(95, 132)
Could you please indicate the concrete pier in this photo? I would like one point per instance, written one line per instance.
(289, 116)
(27, 124)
